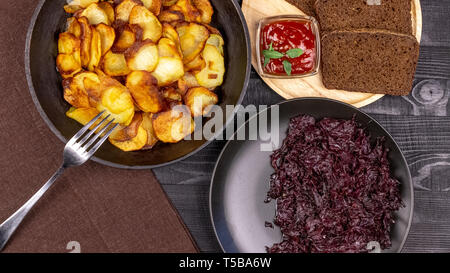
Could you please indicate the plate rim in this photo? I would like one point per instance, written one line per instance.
(411, 212)
(57, 133)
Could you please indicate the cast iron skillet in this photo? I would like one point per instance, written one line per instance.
(45, 82)
(241, 180)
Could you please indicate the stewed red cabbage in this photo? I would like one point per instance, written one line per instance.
(334, 190)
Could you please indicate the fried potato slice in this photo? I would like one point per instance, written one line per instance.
(168, 71)
(115, 64)
(190, 12)
(82, 3)
(117, 100)
(95, 15)
(171, 16)
(82, 115)
(174, 125)
(143, 88)
(212, 29)
(195, 65)
(153, 5)
(72, 8)
(123, 10)
(171, 94)
(111, 96)
(217, 41)
(73, 27)
(168, 48)
(151, 27)
(134, 144)
(86, 41)
(127, 38)
(206, 10)
(96, 50)
(77, 5)
(168, 3)
(142, 56)
(94, 89)
(74, 91)
(212, 75)
(126, 133)
(193, 38)
(119, 103)
(69, 44)
(109, 10)
(67, 65)
(107, 37)
(186, 82)
(138, 32)
(170, 33)
(147, 125)
(198, 99)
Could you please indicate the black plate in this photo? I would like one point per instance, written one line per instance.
(45, 82)
(241, 180)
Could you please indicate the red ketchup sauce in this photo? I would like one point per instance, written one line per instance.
(285, 35)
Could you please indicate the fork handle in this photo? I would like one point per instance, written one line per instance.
(8, 227)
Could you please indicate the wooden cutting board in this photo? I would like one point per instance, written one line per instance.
(254, 10)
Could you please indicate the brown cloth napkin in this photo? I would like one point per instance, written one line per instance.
(101, 209)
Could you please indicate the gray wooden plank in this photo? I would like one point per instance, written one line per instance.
(436, 22)
(429, 97)
(428, 238)
(434, 62)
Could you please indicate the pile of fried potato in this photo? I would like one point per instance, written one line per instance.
(152, 65)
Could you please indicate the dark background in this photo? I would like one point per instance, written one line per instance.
(420, 123)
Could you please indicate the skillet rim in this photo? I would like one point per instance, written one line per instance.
(123, 166)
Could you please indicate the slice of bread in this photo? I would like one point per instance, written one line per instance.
(392, 15)
(307, 6)
(374, 61)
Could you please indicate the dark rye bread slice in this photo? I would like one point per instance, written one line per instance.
(373, 61)
(307, 6)
(392, 15)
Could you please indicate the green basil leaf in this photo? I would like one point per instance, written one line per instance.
(271, 46)
(287, 67)
(266, 61)
(294, 53)
(272, 54)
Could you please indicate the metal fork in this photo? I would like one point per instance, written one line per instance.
(77, 151)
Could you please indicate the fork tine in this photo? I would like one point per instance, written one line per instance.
(102, 140)
(84, 129)
(96, 136)
(91, 132)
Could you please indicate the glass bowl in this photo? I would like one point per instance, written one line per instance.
(315, 28)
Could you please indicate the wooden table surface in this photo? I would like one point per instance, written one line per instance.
(419, 122)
